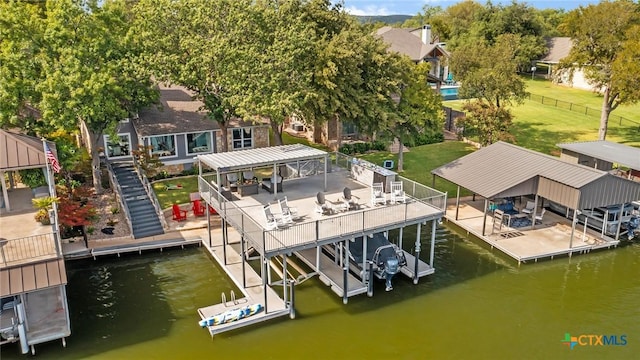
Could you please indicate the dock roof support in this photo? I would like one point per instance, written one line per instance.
(433, 243)
(484, 216)
(417, 245)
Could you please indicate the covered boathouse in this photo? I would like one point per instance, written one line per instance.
(517, 187)
(325, 241)
(33, 276)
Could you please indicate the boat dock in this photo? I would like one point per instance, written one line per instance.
(253, 291)
(332, 274)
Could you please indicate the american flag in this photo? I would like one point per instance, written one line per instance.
(51, 157)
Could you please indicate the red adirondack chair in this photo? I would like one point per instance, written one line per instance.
(179, 214)
(198, 208)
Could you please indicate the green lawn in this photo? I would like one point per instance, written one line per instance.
(420, 160)
(541, 127)
(178, 196)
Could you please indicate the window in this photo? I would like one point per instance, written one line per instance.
(348, 128)
(198, 142)
(118, 148)
(164, 145)
(242, 138)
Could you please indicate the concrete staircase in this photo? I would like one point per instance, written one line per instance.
(144, 220)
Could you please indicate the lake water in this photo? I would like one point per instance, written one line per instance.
(478, 304)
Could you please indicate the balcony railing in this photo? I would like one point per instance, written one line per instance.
(427, 203)
(28, 249)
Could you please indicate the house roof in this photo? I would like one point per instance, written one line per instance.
(251, 158)
(405, 42)
(495, 169)
(19, 151)
(609, 151)
(559, 48)
(178, 113)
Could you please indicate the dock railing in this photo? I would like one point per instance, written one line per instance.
(333, 228)
(27, 249)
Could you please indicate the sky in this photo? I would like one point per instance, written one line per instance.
(412, 7)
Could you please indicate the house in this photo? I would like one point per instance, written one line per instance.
(559, 48)
(418, 45)
(178, 130)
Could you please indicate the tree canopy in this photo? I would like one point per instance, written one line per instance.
(604, 47)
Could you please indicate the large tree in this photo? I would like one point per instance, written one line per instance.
(73, 67)
(419, 109)
(601, 33)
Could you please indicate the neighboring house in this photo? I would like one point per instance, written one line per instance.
(178, 131)
(559, 48)
(418, 45)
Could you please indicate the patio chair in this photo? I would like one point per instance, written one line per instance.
(272, 222)
(397, 192)
(232, 180)
(538, 218)
(248, 176)
(322, 207)
(287, 211)
(377, 194)
(178, 213)
(268, 183)
(349, 200)
(198, 208)
(529, 208)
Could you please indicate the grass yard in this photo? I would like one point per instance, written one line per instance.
(420, 160)
(540, 127)
(178, 196)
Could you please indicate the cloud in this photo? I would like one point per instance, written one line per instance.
(367, 10)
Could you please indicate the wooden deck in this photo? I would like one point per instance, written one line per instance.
(253, 293)
(547, 240)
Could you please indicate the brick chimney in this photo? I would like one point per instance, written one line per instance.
(426, 34)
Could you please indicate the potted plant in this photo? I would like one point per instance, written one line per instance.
(43, 204)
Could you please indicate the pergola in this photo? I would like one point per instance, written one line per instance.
(504, 170)
(20, 152)
(234, 161)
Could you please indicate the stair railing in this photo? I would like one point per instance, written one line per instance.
(116, 185)
(150, 193)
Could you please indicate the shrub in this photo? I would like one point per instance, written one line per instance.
(42, 216)
(115, 210)
(33, 178)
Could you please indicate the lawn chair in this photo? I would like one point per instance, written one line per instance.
(178, 213)
(322, 207)
(529, 208)
(397, 192)
(232, 180)
(272, 222)
(290, 212)
(349, 200)
(377, 194)
(198, 208)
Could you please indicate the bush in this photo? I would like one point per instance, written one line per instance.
(362, 147)
(33, 178)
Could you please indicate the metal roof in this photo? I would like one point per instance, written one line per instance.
(558, 49)
(504, 168)
(20, 151)
(609, 151)
(31, 277)
(252, 158)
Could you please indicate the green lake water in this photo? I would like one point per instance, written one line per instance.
(479, 304)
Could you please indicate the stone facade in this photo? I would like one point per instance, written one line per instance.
(260, 137)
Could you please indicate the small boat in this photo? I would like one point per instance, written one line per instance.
(231, 315)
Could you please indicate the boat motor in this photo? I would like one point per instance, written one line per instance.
(633, 225)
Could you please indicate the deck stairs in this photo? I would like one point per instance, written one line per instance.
(144, 219)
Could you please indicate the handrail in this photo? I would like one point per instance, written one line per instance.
(29, 247)
(150, 193)
(116, 185)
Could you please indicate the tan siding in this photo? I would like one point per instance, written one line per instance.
(559, 193)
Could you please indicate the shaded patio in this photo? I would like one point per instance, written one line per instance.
(549, 239)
